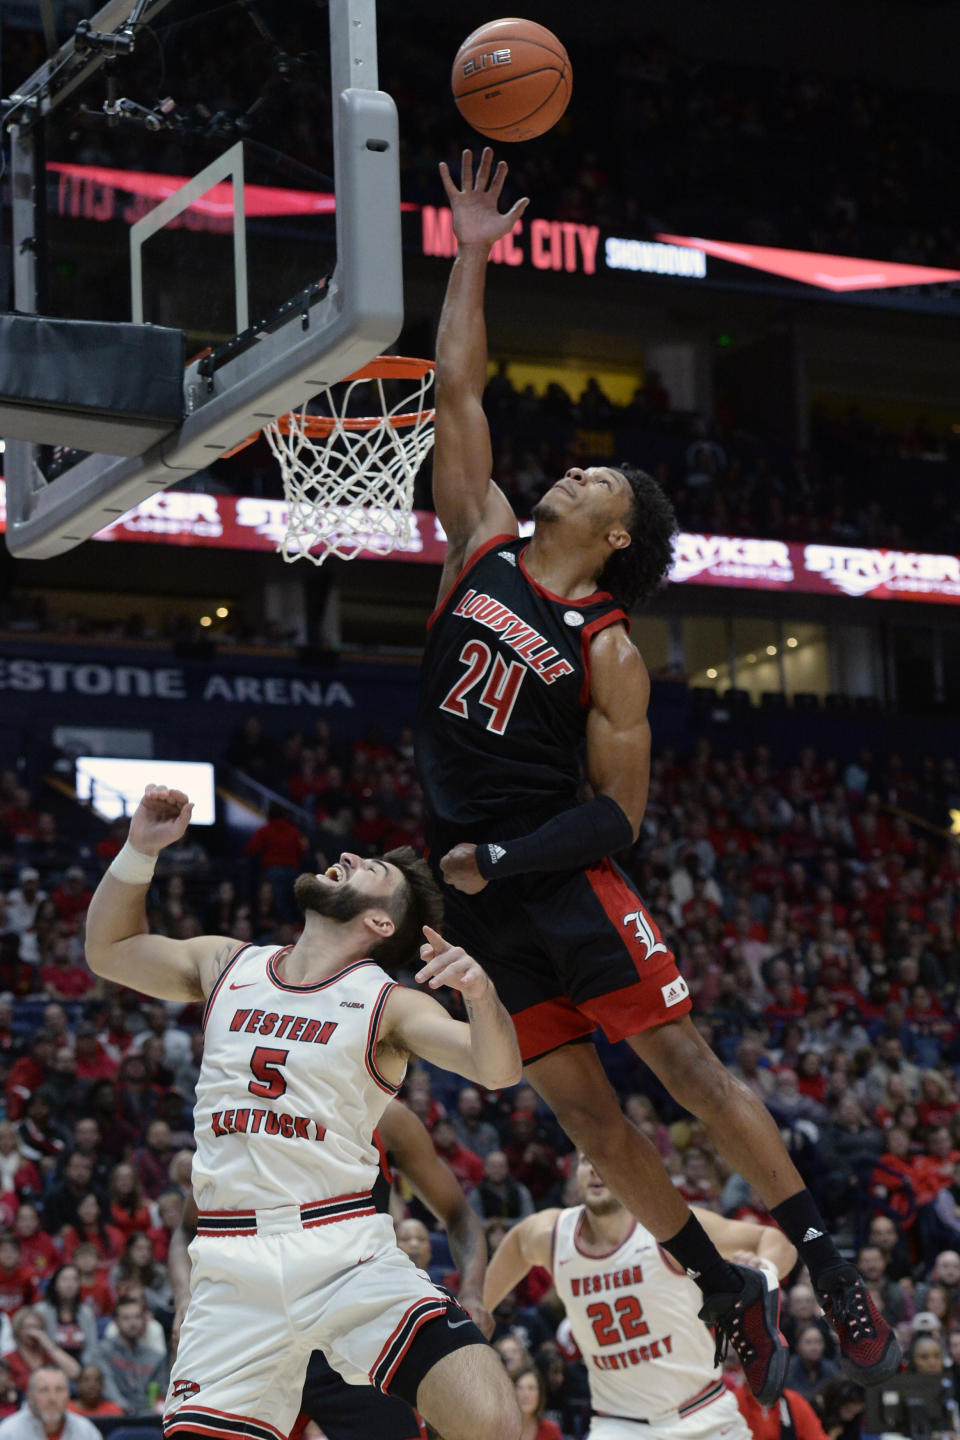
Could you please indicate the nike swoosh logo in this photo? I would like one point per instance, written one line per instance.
(367, 1257)
(245, 986)
(451, 1325)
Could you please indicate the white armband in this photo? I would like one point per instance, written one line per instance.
(132, 866)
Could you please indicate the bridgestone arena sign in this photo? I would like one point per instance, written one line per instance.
(177, 517)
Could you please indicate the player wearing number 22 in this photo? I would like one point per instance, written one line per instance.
(528, 656)
(633, 1313)
(303, 1049)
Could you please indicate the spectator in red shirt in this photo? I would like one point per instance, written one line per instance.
(128, 1208)
(532, 1400)
(170, 1213)
(281, 851)
(789, 1003)
(531, 1161)
(937, 1104)
(92, 1061)
(933, 1171)
(152, 1161)
(19, 818)
(309, 783)
(63, 976)
(765, 1424)
(18, 1283)
(72, 897)
(28, 1073)
(112, 843)
(278, 844)
(35, 1349)
(90, 1228)
(467, 1166)
(417, 1094)
(94, 1283)
(37, 1249)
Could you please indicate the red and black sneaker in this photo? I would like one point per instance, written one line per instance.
(869, 1350)
(750, 1322)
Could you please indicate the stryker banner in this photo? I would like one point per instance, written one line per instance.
(178, 517)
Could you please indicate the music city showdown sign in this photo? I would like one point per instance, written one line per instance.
(179, 517)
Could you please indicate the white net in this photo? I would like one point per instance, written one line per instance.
(348, 479)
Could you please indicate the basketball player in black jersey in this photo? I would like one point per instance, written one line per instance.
(527, 657)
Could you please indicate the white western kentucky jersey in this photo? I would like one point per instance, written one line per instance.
(634, 1317)
(289, 1092)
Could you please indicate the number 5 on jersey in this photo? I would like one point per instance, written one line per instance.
(265, 1064)
(500, 693)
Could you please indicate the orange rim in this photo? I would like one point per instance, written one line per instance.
(319, 427)
(391, 367)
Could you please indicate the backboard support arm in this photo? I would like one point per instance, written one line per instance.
(360, 315)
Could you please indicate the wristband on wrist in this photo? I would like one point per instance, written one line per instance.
(571, 840)
(132, 866)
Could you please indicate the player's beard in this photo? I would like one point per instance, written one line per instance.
(609, 1206)
(334, 902)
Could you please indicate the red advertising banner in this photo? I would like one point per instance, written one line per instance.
(230, 522)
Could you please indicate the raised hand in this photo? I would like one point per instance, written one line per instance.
(475, 203)
(160, 819)
(446, 964)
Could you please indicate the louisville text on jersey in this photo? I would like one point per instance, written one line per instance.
(522, 639)
(248, 1121)
(283, 1027)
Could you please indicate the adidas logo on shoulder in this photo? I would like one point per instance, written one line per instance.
(507, 555)
(812, 1235)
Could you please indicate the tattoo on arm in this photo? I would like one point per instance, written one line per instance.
(468, 1006)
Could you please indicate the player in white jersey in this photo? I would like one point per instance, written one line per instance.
(303, 1048)
(633, 1313)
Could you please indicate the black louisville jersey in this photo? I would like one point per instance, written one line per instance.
(504, 696)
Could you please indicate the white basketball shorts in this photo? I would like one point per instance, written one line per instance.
(720, 1420)
(262, 1303)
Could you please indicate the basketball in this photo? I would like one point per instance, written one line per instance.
(512, 79)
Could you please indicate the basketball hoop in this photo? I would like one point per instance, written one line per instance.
(348, 479)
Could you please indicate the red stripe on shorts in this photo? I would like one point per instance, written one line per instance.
(620, 903)
(548, 1025)
(639, 1007)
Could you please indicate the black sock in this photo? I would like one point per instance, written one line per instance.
(803, 1225)
(692, 1248)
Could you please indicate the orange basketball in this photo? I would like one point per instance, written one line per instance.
(511, 79)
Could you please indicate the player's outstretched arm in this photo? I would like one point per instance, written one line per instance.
(409, 1142)
(470, 507)
(523, 1247)
(737, 1239)
(483, 1050)
(119, 946)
